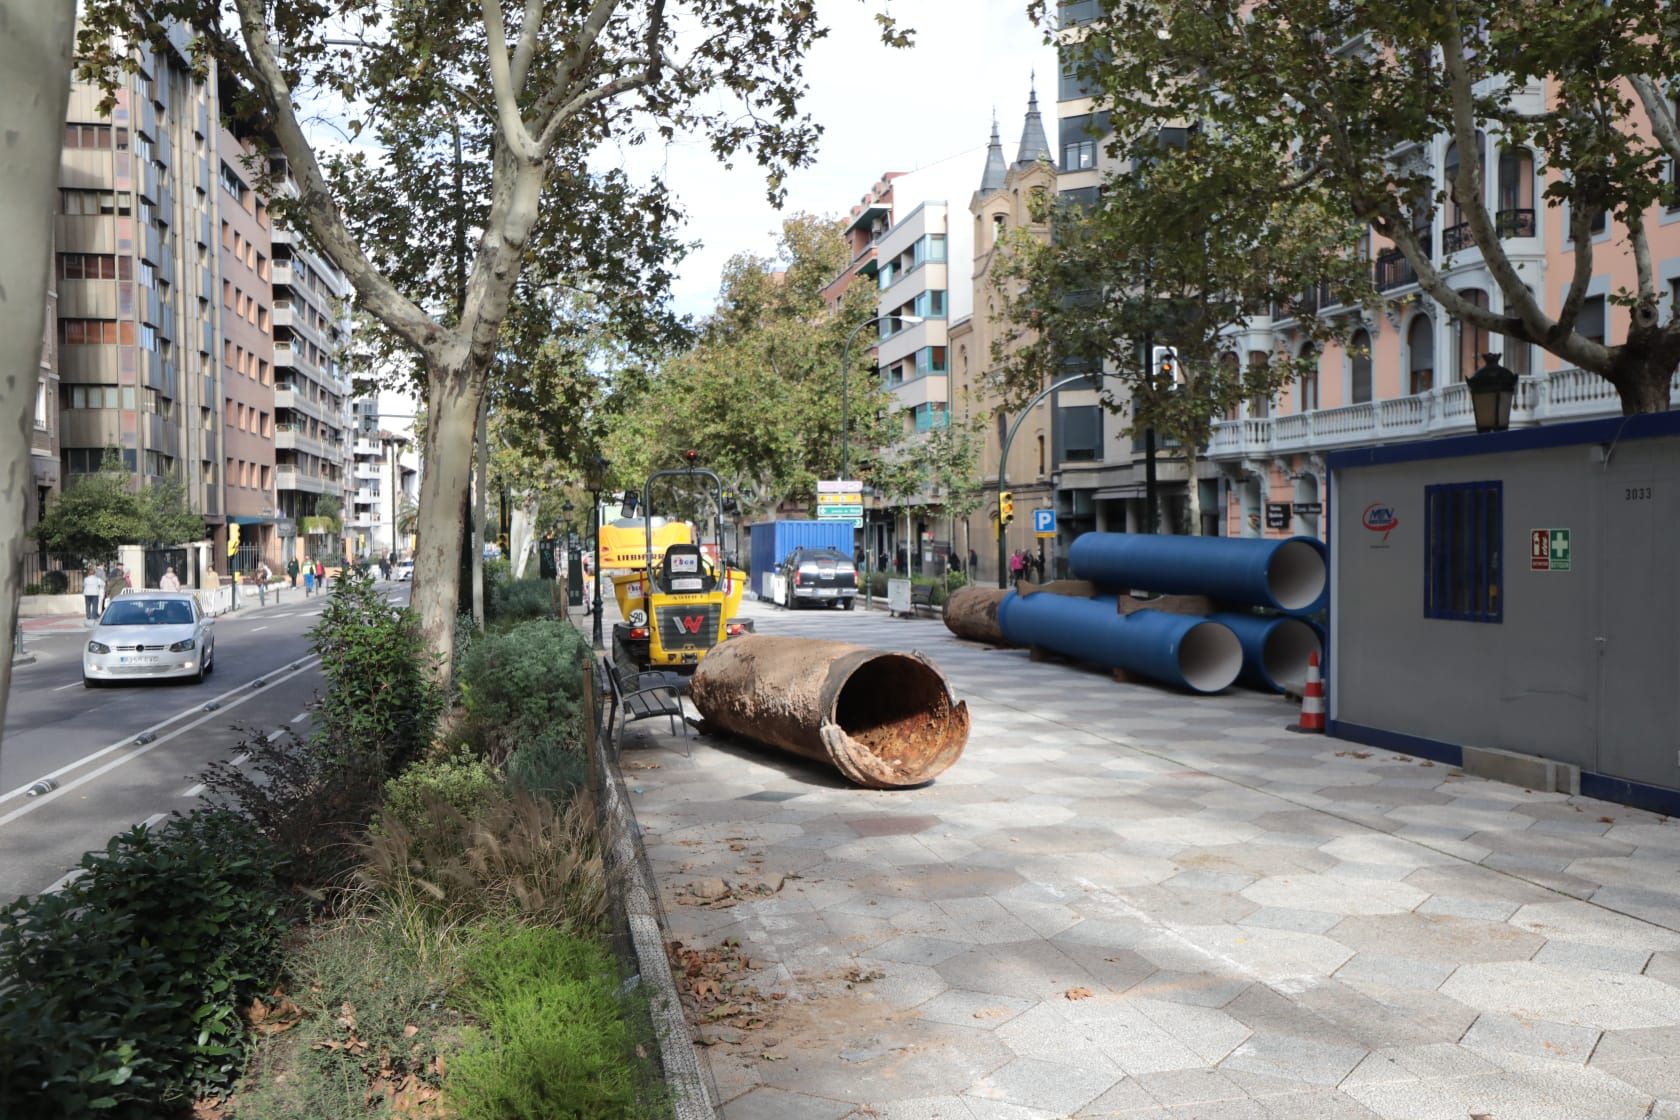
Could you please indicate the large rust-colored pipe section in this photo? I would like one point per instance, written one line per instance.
(884, 720)
(971, 612)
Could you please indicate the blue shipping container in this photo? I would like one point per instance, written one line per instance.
(773, 540)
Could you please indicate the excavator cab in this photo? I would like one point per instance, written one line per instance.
(680, 604)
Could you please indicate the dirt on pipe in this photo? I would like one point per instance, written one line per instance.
(884, 720)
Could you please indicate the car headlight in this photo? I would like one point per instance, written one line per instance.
(182, 646)
(638, 618)
(98, 647)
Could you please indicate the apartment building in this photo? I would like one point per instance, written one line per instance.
(1400, 374)
(246, 258)
(868, 221)
(385, 476)
(135, 269)
(312, 448)
(1002, 205)
(43, 434)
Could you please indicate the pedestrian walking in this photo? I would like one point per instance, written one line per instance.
(93, 590)
(973, 563)
(262, 584)
(117, 584)
(309, 581)
(1017, 565)
(320, 574)
(170, 581)
(292, 570)
(1037, 563)
(385, 566)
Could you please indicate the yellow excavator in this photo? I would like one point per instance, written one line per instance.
(677, 601)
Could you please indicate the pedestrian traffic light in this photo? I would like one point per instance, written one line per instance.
(1006, 507)
(233, 539)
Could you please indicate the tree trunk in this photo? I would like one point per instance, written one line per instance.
(1192, 492)
(35, 89)
(451, 416)
(1644, 388)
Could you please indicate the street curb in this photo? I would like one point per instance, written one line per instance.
(630, 879)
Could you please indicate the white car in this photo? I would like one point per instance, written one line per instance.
(150, 635)
(403, 571)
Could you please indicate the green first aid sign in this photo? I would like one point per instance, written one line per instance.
(1548, 550)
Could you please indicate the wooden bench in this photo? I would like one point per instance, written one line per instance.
(921, 598)
(646, 696)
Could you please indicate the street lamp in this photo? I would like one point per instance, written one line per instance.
(1491, 390)
(597, 481)
(845, 383)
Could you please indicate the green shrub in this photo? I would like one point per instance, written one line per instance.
(555, 1044)
(547, 768)
(521, 599)
(523, 685)
(464, 781)
(122, 992)
(381, 705)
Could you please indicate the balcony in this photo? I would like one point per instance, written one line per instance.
(1569, 394)
(1393, 270)
(1455, 239)
(295, 478)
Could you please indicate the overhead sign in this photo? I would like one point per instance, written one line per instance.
(840, 499)
(1277, 515)
(1548, 550)
(839, 486)
(1044, 522)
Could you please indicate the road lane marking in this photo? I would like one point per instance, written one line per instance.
(254, 629)
(62, 687)
(300, 717)
(238, 760)
(65, 880)
(128, 740)
(152, 820)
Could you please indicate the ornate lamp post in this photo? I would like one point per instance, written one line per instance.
(1491, 389)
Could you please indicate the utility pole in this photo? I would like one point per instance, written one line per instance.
(1149, 496)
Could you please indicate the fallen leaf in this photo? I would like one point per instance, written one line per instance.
(410, 1031)
(1077, 993)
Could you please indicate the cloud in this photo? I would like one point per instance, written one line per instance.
(881, 110)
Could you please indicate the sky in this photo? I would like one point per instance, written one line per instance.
(882, 110)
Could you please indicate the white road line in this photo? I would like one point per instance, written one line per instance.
(254, 629)
(300, 717)
(129, 740)
(152, 820)
(65, 880)
(238, 760)
(62, 687)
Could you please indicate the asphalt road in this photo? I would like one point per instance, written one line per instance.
(124, 755)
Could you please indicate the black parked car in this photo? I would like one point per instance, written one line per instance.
(820, 576)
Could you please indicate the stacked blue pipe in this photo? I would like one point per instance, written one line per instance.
(1287, 575)
(1193, 653)
(1275, 649)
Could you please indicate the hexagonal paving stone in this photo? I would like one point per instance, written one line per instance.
(1058, 1089)
(1335, 895)
(1602, 1000)
(1436, 937)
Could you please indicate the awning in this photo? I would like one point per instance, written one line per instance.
(245, 519)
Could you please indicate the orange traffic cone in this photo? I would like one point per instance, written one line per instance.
(1312, 701)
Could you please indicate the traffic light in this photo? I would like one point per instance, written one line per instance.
(1165, 359)
(233, 539)
(1006, 507)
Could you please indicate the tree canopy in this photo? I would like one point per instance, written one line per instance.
(1345, 103)
(97, 512)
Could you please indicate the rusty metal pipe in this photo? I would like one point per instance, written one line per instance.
(884, 720)
(971, 612)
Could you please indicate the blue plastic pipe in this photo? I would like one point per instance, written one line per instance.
(1275, 648)
(1181, 650)
(1285, 575)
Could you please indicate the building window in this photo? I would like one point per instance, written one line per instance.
(1463, 551)
(1079, 155)
(930, 359)
(81, 136)
(1472, 339)
(1081, 434)
(95, 332)
(931, 304)
(1420, 355)
(1590, 322)
(1309, 378)
(1359, 349)
(94, 266)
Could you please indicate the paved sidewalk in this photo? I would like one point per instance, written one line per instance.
(1127, 902)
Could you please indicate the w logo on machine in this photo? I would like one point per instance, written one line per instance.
(691, 623)
(693, 628)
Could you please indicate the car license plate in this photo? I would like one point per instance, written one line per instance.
(828, 592)
(137, 660)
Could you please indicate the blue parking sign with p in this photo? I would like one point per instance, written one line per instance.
(1044, 522)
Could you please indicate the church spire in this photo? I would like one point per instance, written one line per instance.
(1034, 145)
(992, 179)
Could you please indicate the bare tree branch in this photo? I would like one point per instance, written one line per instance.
(319, 208)
(512, 125)
(527, 46)
(569, 111)
(1661, 113)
